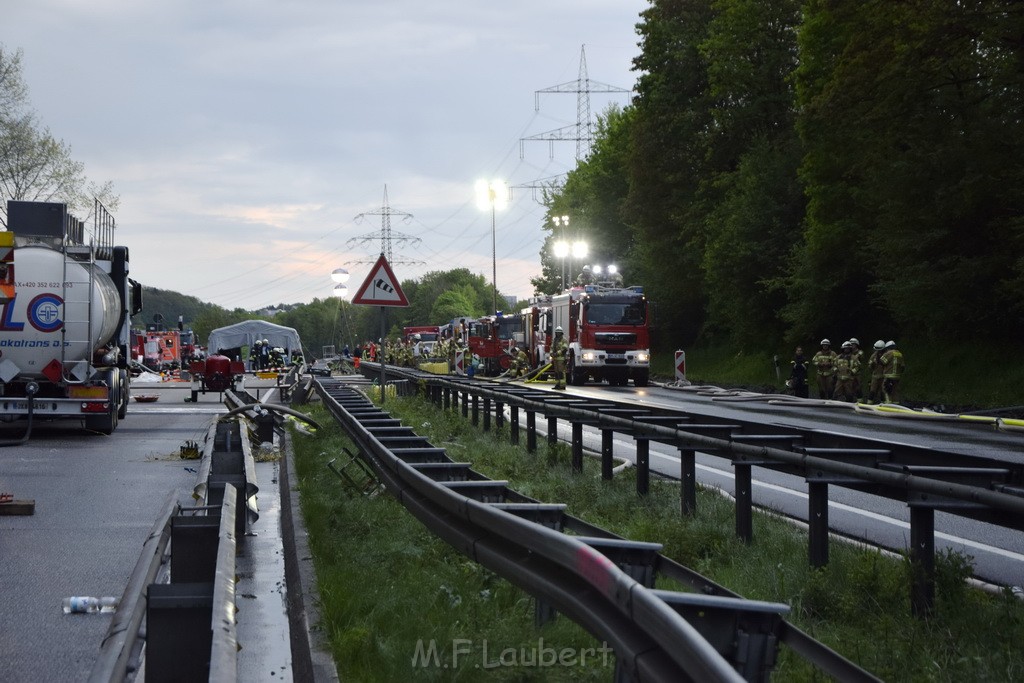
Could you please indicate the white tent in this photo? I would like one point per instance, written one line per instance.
(247, 332)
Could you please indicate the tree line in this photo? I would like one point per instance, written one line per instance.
(790, 169)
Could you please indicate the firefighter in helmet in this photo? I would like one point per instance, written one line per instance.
(892, 370)
(559, 349)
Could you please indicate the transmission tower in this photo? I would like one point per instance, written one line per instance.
(386, 235)
(583, 131)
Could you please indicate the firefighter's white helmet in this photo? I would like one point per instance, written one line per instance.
(890, 344)
(826, 342)
(855, 341)
(558, 330)
(879, 345)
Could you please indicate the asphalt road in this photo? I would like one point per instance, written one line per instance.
(96, 499)
(998, 554)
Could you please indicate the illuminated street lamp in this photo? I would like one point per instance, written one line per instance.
(562, 247)
(340, 275)
(492, 194)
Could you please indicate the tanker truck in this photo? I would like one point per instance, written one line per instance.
(65, 327)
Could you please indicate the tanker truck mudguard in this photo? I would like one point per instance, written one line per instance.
(65, 323)
(607, 329)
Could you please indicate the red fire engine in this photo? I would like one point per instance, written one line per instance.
(492, 338)
(607, 329)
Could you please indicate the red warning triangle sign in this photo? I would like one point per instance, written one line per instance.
(381, 287)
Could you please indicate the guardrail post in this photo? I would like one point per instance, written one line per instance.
(531, 431)
(577, 446)
(922, 560)
(688, 481)
(487, 414)
(643, 465)
(817, 521)
(476, 410)
(606, 454)
(499, 415)
(513, 426)
(744, 502)
(552, 430)
(465, 404)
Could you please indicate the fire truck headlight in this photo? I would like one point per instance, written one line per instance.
(643, 357)
(589, 356)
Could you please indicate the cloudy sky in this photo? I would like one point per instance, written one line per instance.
(247, 137)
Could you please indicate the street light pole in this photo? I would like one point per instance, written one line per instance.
(562, 247)
(494, 258)
(492, 194)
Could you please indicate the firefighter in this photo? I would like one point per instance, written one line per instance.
(264, 354)
(892, 370)
(559, 349)
(877, 371)
(844, 374)
(798, 375)
(856, 363)
(824, 364)
(522, 362)
(519, 363)
(254, 355)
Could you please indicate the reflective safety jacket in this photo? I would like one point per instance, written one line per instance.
(825, 362)
(892, 364)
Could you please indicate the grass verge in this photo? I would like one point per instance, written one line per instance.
(387, 585)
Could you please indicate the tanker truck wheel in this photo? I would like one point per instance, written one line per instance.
(106, 423)
(124, 394)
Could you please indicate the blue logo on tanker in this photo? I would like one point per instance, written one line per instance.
(44, 312)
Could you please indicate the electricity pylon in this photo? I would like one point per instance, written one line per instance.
(583, 131)
(386, 235)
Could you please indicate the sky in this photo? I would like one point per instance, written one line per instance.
(251, 142)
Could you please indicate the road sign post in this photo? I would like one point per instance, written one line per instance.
(381, 288)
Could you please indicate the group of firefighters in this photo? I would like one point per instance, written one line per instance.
(559, 348)
(838, 375)
(263, 356)
(406, 353)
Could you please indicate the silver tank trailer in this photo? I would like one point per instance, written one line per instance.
(31, 334)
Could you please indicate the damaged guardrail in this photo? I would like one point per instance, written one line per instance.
(604, 583)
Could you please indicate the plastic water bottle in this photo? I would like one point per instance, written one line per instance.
(81, 604)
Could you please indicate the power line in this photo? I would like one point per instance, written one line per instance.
(386, 235)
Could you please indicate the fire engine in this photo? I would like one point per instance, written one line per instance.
(491, 340)
(607, 329)
(423, 338)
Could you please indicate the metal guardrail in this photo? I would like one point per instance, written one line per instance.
(190, 620)
(181, 592)
(928, 480)
(603, 582)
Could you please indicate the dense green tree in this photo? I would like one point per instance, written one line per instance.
(911, 119)
(668, 162)
(753, 201)
(423, 294)
(592, 197)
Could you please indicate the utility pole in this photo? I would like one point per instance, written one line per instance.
(386, 235)
(583, 130)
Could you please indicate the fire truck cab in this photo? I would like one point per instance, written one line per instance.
(607, 329)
